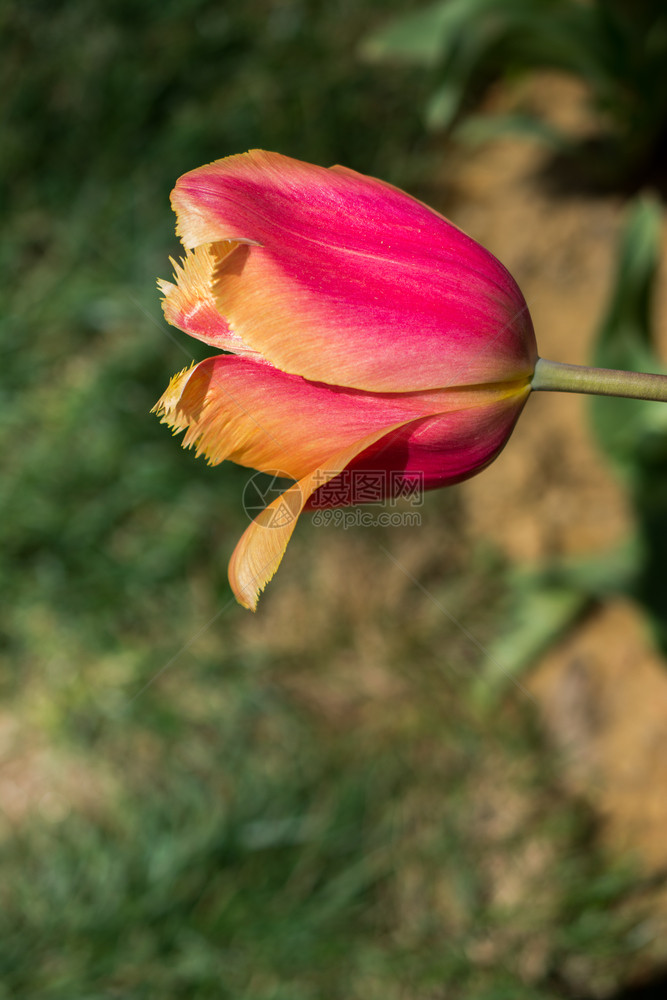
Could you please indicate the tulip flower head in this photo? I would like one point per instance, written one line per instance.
(361, 331)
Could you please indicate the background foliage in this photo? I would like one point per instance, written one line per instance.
(617, 49)
(194, 803)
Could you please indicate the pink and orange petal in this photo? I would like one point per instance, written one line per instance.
(352, 278)
(366, 333)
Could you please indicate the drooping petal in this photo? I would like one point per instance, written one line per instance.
(235, 408)
(262, 545)
(353, 282)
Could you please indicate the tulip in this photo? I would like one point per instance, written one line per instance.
(361, 330)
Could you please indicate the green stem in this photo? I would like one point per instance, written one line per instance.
(554, 376)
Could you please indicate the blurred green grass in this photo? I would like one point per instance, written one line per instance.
(194, 802)
(103, 107)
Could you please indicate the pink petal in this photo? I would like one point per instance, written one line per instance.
(354, 283)
(429, 452)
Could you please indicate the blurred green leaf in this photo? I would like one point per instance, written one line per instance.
(539, 612)
(633, 433)
(482, 128)
(628, 428)
(543, 603)
(425, 36)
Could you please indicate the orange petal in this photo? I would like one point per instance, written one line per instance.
(262, 545)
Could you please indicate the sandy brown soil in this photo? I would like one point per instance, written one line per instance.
(603, 692)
